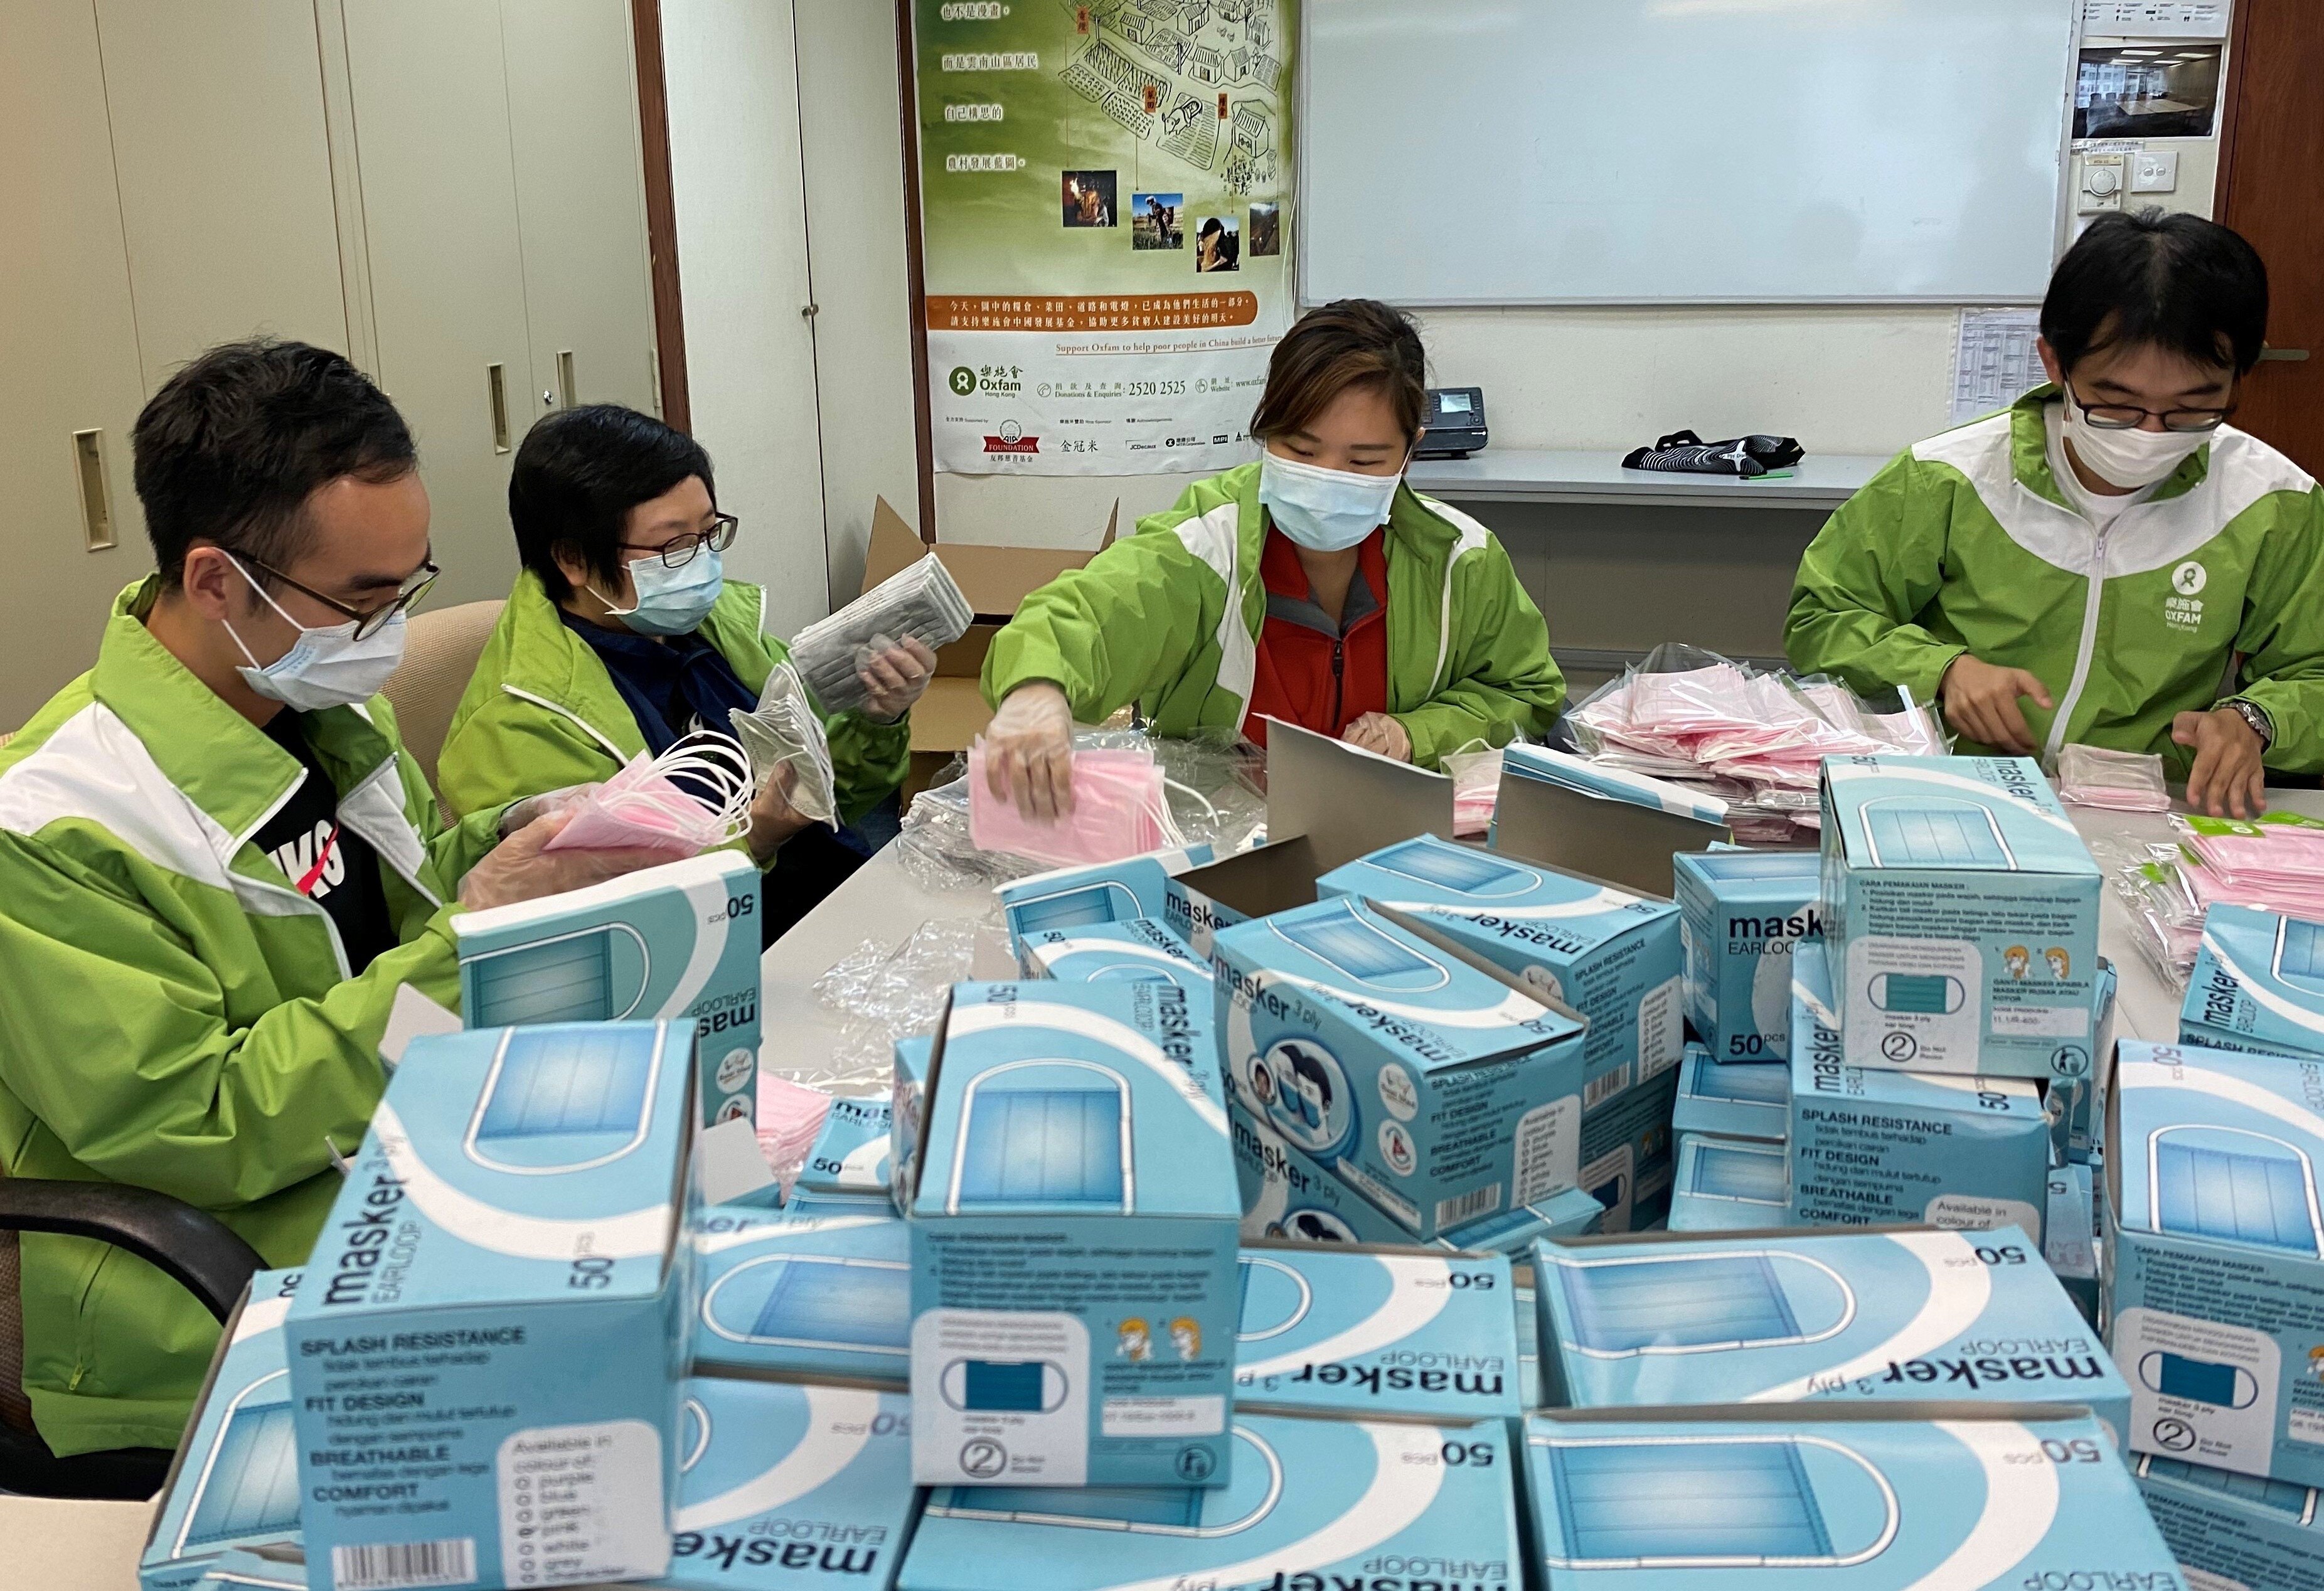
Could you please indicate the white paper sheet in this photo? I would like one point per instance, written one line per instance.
(1993, 361)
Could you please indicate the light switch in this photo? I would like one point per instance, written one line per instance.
(2154, 170)
(2102, 183)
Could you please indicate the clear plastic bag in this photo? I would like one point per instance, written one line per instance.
(2116, 781)
(891, 991)
(782, 735)
(921, 601)
(693, 796)
(1475, 770)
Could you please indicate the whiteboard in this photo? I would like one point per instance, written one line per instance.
(1627, 151)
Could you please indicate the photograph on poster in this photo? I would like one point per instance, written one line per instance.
(1153, 221)
(1266, 231)
(1089, 199)
(2157, 90)
(1218, 243)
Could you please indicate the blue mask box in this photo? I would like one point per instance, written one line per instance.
(1626, 1148)
(2240, 1530)
(1404, 1334)
(1730, 1185)
(1608, 955)
(492, 1323)
(1074, 1226)
(681, 940)
(1528, 1347)
(235, 1481)
(2070, 1241)
(2078, 1110)
(1115, 952)
(791, 1488)
(1871, 1147)
(1738, 1099)
(853, 1151)
(2215, 1257)
(1951, 1495)
(237, 1570)
(1823, 1317)
(784, 1294)
(1741, 912)
(2258, 984)
(1287, 1195)
(1439, 1086)
(1070, 899)
(1961, 917)
(907, 1103)
(1312, 1504)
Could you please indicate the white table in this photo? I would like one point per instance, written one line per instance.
(1502, 474)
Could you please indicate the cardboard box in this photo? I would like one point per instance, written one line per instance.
(679, 940)
(1952, 1495)
(2251, 987)
(237, 1570)
(2070, 1242)
(852, 1150)
(2215, 1257)
(1871, 1147)
(1960, 915)
(1289, 1196)
(2234, 1530)
(1066, 899)
(234, 1481)
(1737, 1100)
(1312, 1502)
(1363, 1332)
(817, 1295)
(1118, 952)
(1730, 1185)
(1819, 1316)
(2077, 1108)
(1741, 912)
(492, 1320)
(792, 1487)
(1074, 1222)
(994, 579)
(1542, 814)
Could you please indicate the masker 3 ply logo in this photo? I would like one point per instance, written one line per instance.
(1742, 914)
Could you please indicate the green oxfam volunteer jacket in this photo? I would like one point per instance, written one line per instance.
(541, 711)
(1965, 543)
(1169, 618)
(173, 1015)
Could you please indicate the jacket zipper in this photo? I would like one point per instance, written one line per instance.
(2082, 657)
(1339, 682)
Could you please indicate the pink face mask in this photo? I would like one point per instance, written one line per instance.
(640, 808)
(1118, 810)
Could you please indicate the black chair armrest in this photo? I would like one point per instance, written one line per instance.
(191, 1247)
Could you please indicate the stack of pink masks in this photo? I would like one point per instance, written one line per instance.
(1119, 809)
(1756, 740)
(2275, 863)
(790, 1116)
(2115, 781)
(641, 808)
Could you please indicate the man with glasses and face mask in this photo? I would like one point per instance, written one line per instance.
(2085, 565)
(623, 635)
(216, 865)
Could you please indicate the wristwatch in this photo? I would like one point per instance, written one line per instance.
(2255, 715)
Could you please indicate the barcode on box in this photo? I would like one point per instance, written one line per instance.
(1484, 1200)
(398, 1566)
(1605, 1086)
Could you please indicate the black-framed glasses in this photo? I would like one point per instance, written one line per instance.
(2129, 417)
(678, 550)
(370, 624)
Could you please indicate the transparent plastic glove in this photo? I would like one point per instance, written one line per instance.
(517, 815)
(783, 732)
(1028, 752)
(529, 865)
(1379, 733)
(1118, 810)
(895, 673)
(644, 806)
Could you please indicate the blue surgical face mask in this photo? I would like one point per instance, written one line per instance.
(326, 666)
(1324, 510)
(670, 601)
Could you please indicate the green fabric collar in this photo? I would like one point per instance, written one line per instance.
(2029, 452)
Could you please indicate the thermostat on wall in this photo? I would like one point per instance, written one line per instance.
(1456, 423)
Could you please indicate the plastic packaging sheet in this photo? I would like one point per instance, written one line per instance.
(2116, 781)
(920, 601)
(1476, 771)
(2155, 882)
(693, 796)
(891, 990)
(783, 735)
(1756, 739)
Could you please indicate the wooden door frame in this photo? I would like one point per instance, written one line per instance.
(2231, 100)
(908, 96)
(662, 214)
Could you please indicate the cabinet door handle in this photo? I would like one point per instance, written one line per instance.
(2289, 355)
(95, 497)
(496, 391)
(568, 392)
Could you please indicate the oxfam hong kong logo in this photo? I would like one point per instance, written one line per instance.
(963, 381)
(2188, 578)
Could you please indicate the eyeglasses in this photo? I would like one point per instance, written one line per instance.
(367, 624)
(2129, 417)
(680, 550)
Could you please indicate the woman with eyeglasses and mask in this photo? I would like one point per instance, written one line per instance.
(1311, 586)
(623, 635)
(2085, 566)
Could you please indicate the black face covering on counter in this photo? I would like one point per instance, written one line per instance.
(1688, 454)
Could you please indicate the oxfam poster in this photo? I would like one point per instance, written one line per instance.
(1105, 207)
